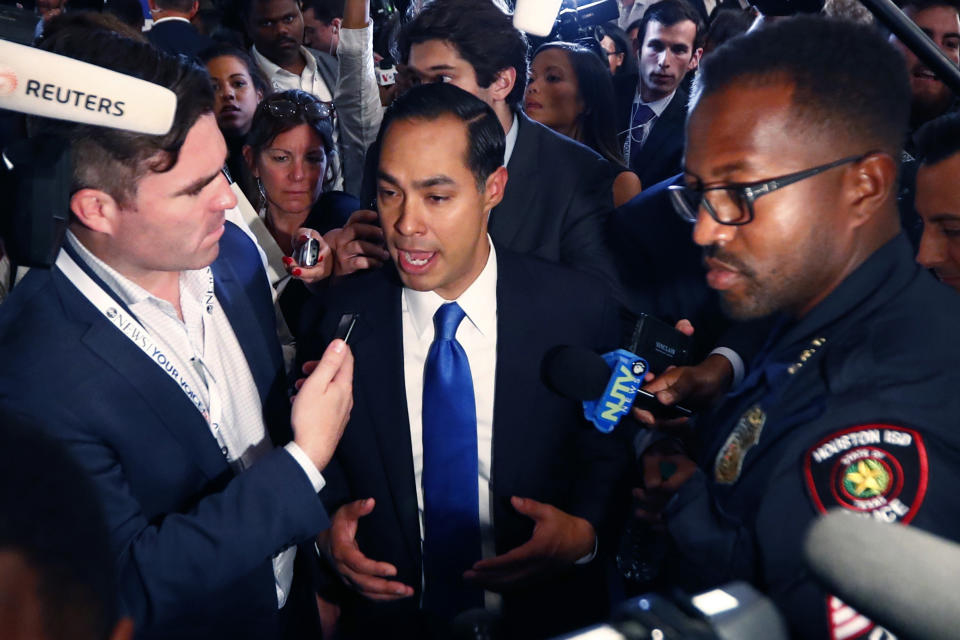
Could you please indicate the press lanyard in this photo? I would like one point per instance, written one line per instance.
(131, 328)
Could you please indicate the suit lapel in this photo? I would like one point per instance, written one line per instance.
(507, 218)
(380, 387)
(168, 403)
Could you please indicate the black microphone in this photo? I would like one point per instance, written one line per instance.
(899, 576)
(581, 374)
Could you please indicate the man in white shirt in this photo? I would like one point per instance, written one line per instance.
(150, 350)
(530, 482)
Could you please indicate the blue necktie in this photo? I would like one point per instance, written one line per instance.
(642, 114)
(451, 521)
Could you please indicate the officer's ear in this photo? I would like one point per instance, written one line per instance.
(868, 184)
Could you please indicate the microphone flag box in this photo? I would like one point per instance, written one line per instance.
(626, 379)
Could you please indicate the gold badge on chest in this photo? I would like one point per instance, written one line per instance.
(746, 434)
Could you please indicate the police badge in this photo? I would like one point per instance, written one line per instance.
(744, 436)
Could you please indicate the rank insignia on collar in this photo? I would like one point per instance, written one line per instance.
(744, 436)
(877, 469)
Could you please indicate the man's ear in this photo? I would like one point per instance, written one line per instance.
(95, 209)
(695, 59)
(503, 84)
(194, 9)
(494, 188)
(337, 24)
(868, 185)
(152, 5)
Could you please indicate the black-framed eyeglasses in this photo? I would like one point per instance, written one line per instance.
(281, 107)
(732, 204)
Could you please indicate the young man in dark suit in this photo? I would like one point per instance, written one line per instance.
(468, 474)
(652, 114)
(150, 349)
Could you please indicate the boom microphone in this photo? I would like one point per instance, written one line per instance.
(45, 84)
(898, 576)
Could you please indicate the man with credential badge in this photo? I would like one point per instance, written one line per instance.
(790, 179)
(150, 349)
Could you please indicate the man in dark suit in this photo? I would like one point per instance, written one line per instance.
(652, 114)
(150, 349)
(172, 31)
(544, 478)
(560, 192)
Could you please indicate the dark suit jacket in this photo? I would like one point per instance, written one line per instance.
(193, 539)
(661, 155)
(558, 196)
(542, 447)
(660, 265)
(177, 36)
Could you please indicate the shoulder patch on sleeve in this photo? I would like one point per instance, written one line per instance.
(876, 469)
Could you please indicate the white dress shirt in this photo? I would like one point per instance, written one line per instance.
(208, 335)
(309, 80)
(511, 139)
(477, 334)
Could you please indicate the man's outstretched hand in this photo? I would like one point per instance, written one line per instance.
(559, 540)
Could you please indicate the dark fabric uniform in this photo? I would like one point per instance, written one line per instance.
(861, 399)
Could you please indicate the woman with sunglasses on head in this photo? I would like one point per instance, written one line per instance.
(570, 91)
(288, 152)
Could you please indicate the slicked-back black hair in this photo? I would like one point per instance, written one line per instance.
(486, 142)
(51, 516)
(669, 13)
(939, 139)
(481, 33)
(113, 160)
(849, 81)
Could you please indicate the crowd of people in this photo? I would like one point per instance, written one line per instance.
(247, 443)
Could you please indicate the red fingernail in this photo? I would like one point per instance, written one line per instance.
(320, 259)
(287, 260)
(297, 272)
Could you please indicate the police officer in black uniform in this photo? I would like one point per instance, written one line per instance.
(854, 400)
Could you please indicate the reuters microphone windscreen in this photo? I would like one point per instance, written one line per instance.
(44, 84)
(536, 17)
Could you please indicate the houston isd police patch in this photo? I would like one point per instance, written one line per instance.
(878, 469)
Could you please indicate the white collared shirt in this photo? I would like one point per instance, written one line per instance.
(168, 19)
(209, 335)
(477, 334)
(511, 139)
(309, 79)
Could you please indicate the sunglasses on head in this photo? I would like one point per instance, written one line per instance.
(286, 108)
